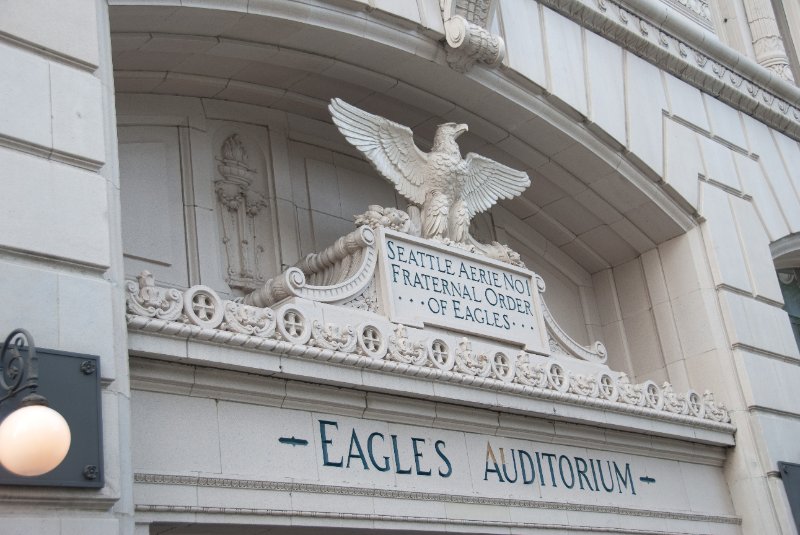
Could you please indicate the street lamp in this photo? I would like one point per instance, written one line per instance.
(34, 439)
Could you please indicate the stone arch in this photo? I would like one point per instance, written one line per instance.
(593, 204)
(599, 205)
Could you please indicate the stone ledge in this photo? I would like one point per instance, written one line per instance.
(148, 337)
(294, 487)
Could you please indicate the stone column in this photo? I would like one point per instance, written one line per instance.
(767, 40)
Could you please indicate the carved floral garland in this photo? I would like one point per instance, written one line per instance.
(200, 313)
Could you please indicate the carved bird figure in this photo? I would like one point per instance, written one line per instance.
(450, 189)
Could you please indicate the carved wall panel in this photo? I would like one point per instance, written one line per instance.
(244, 215)
(564, 295)
(328, 190)
(151, 182)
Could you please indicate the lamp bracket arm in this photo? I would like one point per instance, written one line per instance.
(16, 366)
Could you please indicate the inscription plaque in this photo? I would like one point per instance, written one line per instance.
(428, 284)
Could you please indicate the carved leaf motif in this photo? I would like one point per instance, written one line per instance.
(233, 150)
(378, 216)
(202, 306)
(698, 7)
(530, 374)
(144, 299)
(584, 385)
(469, 363)
(498, 251)
(715, 411)
(629, 393)
(401, 349)
(245, 319)
(366, 300)
(467, 38)
(334, 337)
(676, 403)
(700, 59)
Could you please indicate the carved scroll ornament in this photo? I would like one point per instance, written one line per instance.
(468, 39)
(337, 274)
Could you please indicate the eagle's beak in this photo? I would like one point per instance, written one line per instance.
(460, 129)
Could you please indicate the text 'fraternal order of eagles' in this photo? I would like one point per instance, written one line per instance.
(453, 291)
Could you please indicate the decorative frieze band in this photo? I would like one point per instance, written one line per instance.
(199, 313)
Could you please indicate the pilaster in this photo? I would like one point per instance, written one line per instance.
(60, 250)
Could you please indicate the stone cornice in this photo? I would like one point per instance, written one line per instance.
(650, 29)
(292, 330)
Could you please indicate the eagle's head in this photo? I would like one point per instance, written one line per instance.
(445, 138)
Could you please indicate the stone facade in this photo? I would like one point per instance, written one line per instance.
(216, 241)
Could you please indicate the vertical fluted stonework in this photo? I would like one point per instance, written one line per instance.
(767, 40)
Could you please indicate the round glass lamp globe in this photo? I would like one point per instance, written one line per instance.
(33, 440)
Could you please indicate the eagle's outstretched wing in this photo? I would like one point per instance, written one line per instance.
(388, 145)
(487, 181)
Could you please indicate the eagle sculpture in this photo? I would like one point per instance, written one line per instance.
(451, 190)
